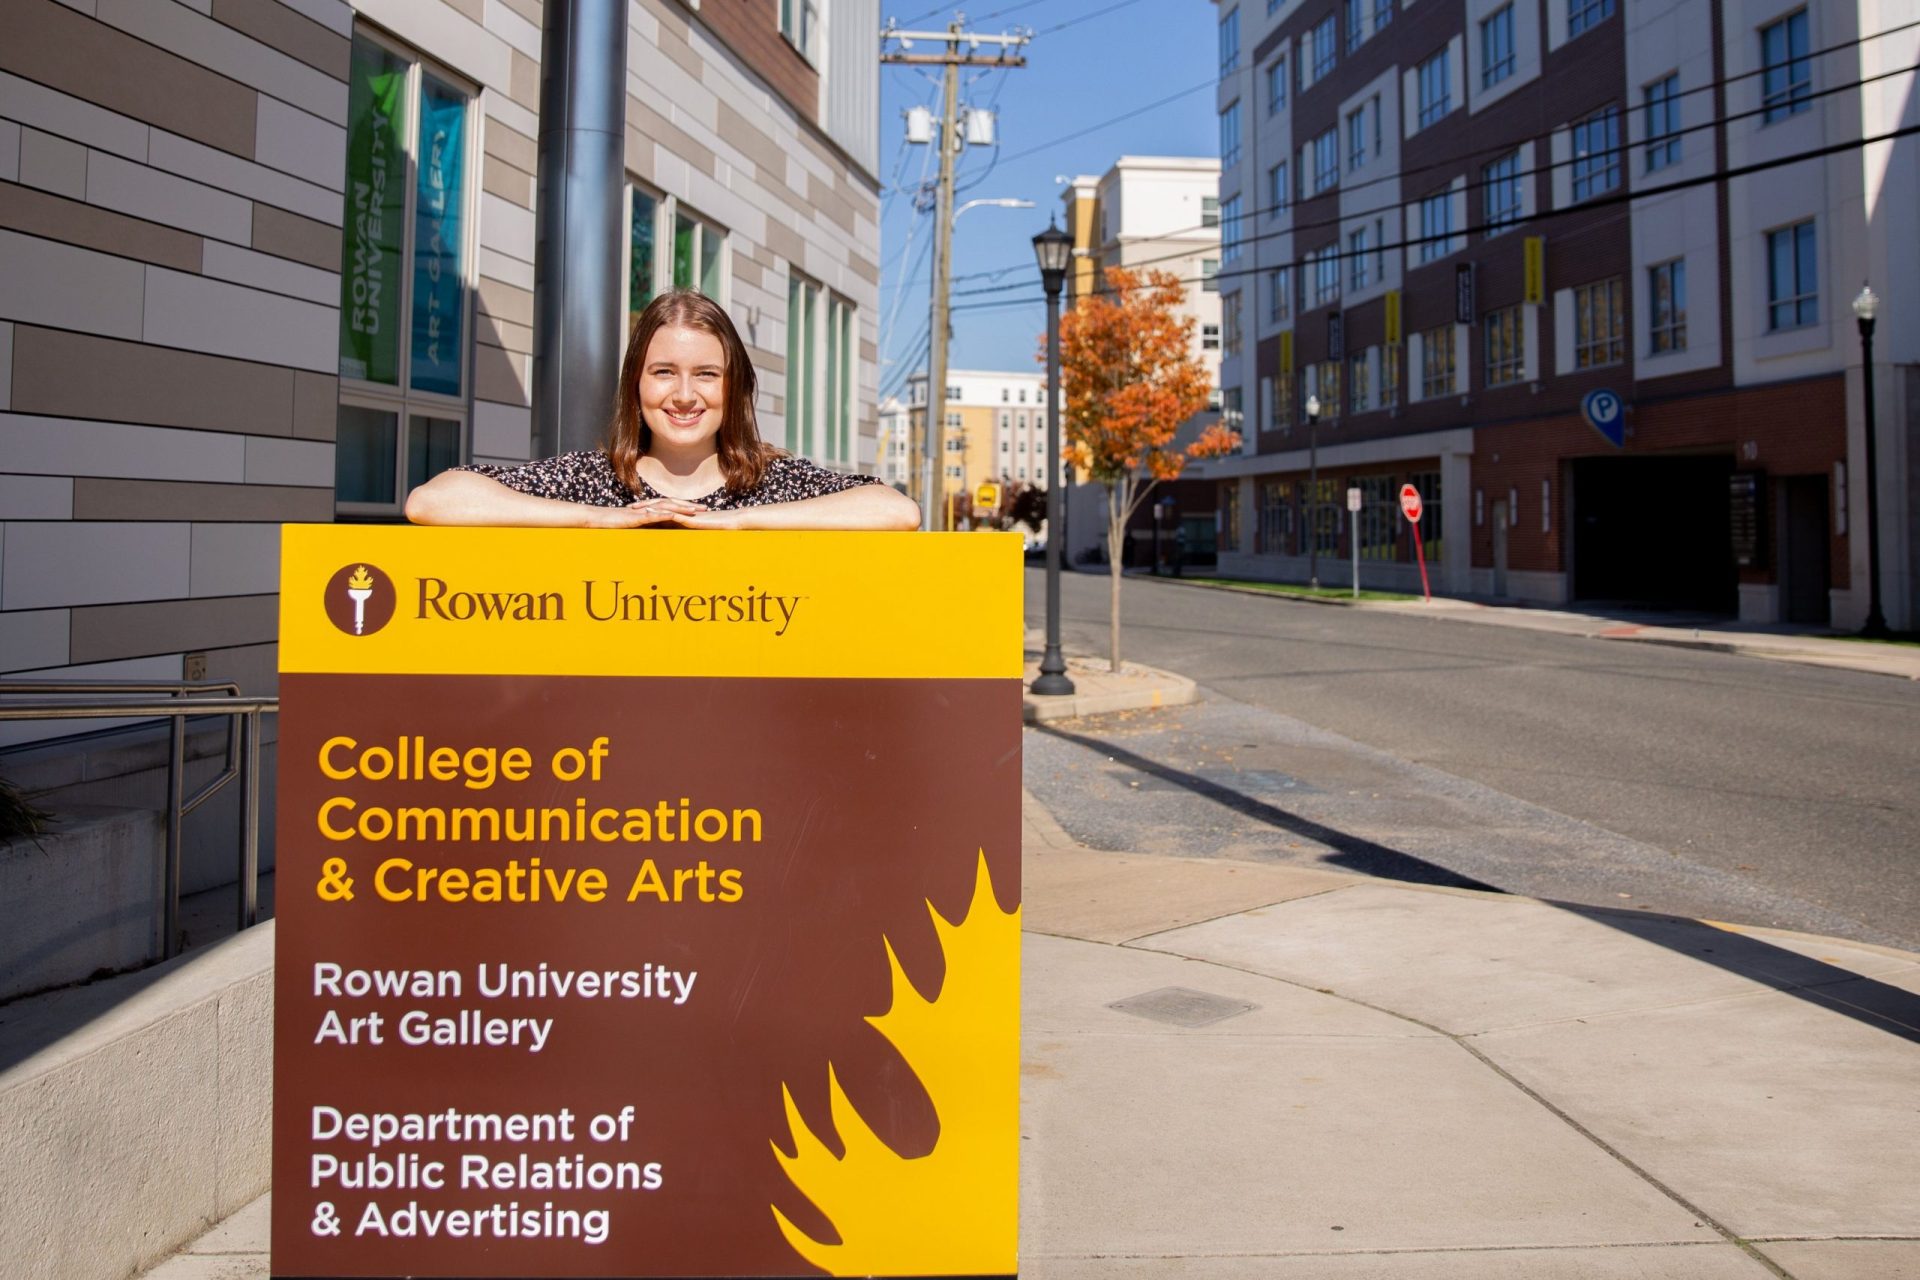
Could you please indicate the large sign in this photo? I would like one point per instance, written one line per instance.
(648, 904)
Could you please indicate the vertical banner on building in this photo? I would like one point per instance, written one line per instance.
(376, 200)
(1463, 300)
(439, 302)
(649, 904)
(1393, 316)
(1534, 287)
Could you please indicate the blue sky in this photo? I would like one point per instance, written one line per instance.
(1125, 55)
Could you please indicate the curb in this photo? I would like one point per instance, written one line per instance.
(1150, 688)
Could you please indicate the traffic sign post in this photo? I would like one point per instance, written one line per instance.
(1411, 508)
(1353, 535)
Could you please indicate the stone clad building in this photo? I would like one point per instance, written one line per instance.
(1448, 223)
(273, 260)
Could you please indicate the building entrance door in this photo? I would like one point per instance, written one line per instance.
(1804, 553)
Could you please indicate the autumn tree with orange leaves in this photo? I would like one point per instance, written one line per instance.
(1131, 379)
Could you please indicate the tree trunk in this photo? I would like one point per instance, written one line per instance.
(1116, 541)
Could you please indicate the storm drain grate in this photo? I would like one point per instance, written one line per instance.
(1182, 1007)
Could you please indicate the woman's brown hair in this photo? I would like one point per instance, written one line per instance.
(743, 456)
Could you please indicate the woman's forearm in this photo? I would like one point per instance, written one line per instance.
(867, 506)
(469, 498)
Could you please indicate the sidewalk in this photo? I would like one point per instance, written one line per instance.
(1778, 643)
(1234, 1069)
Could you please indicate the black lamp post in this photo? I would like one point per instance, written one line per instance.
(1864, 308)
(1053, 248)
(1313, 491)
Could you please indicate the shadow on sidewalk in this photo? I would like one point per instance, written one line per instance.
(1879, 1005)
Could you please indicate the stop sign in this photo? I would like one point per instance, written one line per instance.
(1410, 502)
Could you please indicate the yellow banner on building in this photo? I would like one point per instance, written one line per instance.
(1393, 315)
(1286, 351)
(1534, 288)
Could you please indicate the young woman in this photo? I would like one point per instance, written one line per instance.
(685, 451)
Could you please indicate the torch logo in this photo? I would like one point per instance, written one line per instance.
(360, 599)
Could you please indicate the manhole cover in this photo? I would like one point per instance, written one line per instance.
(1182, 1007)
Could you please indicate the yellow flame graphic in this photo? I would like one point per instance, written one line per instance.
(360, 579)
(954, 1210)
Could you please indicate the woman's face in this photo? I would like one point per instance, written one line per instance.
(683, 388)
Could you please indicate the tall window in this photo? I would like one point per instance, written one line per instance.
(1231, 233)
(1436, 362)
(821, 338)
(1230, 41)
(694, 257)
(1230, 324)
(1786, 75)
(1275, 530)
(1389, 375)
(1325, 266)
(1436, 88)
(1210, 274)
(1276, 85)
(1378, 520)
(1663, 122)
(1599, 324)
(1321, 43)
(1359, 383)
(1667, 304)
(1279, 193)
(404, 271)
(1500, 190)
(1596, 153)
(1359, 258)
(1279, 293)
(1496, 48)
(800, 24)
(1356, 23)
(1326, 161)
(1230, 135)
(803, 300)
(1793, 279)
(1382, 14)
(1583, 15)
(1209, 211)
(1506, 342)
(1436, 226)
(1357, 137)
(1326, 378)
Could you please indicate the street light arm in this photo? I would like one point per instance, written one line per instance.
(1003, 202)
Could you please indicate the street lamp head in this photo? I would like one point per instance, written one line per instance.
(1313, 406)
(1053, 249)
(1865, 304)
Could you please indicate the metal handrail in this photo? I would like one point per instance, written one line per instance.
(55, 700)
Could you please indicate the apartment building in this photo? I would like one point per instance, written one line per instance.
(996, 430)
(1496, 243)
(273, 261)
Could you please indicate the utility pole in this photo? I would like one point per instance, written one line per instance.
(962, 50)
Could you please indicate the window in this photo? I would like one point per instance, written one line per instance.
(1377, 523)
(1596, 153)
(1389, 376)
(1599, 324)
(1230, 516)
(1230, 41)
(1275, 530)
(799, 21)
(1326, 161)
(1359, 384)
(1326, 385)
(1321, 42)
(1436, 89)
(1786, 75)
(1005, 397)
(1230, 135)
(1276, 86)
(1231, 232)
(403, 374)
(1209, 337)
(820, 373)
(1496, 48)
(1279, 293)
(1432, 509)
(1506, 346)
(1584, 15)
(1359, 260)
(697, 257)
(1436, 226)
(1500, 189)
(1663, 122)
(1356, 23)
(1278, 192)
(1356, 138)
(1230, 325)
(1667, 303)
(1325, 268)
(1382, 14)
(1209, 211)
(1210, 274)
(1436, 362)
(1793, 293)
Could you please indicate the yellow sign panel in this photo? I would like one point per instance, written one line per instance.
(579, 601)
(987, 495)
(1286, 351)
(1393, 315)
(1534, 289)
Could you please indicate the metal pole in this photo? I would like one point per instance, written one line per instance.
(249, 819)
(1876, 621)
(1313, 499)
(1353, 544)
(176, 788)
(578, 232)
(1053, 667)
(932, 468)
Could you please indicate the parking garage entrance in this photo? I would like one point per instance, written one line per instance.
(1655, 532)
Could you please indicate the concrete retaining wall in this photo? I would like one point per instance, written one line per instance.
(82, 897)
(135, 1112)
